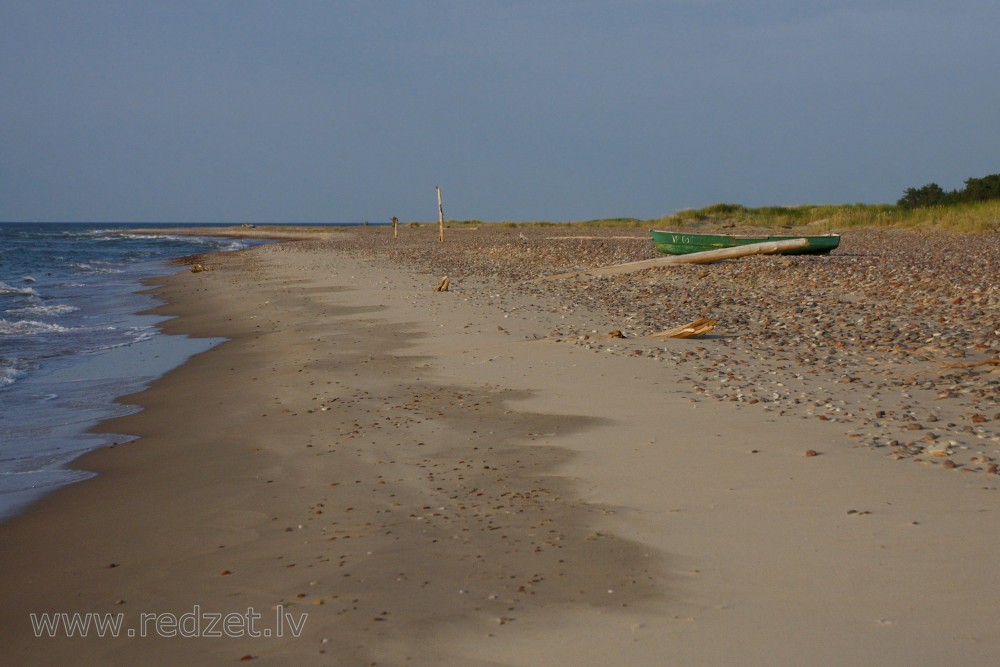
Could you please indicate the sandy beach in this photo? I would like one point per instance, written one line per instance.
(371, 472)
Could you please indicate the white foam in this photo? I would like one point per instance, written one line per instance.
(90, 268)
(137, 336)
(55, 309)
(28, 327)
(9, 375)
(155, 237)
(10, 289)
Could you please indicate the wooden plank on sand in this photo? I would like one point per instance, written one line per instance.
(765, 248)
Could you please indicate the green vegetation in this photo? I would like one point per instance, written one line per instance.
(977, 216)
(962, 217)
(827, 215)
(932, 194)
(975, 208)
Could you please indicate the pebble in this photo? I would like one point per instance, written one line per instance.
(878, 318)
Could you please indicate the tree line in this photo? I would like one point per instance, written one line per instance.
(932, 194)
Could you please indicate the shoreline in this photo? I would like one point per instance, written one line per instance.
(88, 391)
(628, 521)
(73, 341)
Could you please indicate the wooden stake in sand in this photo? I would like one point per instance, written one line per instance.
(699, 327)
(443, 285)
(395, 227)
(440, 216)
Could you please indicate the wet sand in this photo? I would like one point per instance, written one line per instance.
(481, 476)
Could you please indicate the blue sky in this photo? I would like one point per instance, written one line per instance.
(251, 111)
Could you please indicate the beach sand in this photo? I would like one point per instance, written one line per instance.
(434, 478)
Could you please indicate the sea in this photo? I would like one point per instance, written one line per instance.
(73, 338)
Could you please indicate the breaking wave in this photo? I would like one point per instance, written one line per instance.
(29, 327)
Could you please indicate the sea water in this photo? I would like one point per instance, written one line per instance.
(71, 341)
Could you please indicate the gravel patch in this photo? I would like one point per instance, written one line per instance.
(893, 339)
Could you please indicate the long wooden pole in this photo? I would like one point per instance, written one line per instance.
(440, 216)
(764, 248)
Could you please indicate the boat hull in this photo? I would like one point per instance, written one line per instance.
(682, 243)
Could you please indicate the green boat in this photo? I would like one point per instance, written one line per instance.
(682, 243)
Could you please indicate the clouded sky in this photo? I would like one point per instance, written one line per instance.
(312, 111)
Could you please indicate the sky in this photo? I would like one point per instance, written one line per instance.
(349, 111)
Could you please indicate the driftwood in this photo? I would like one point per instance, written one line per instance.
(443, 285)
(708, 256)
(699, 327)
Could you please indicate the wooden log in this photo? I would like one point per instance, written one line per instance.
(765, 248)
(708, 256)
(699, 327)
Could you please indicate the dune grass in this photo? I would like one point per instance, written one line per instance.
(969, 217)
(965, 217)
